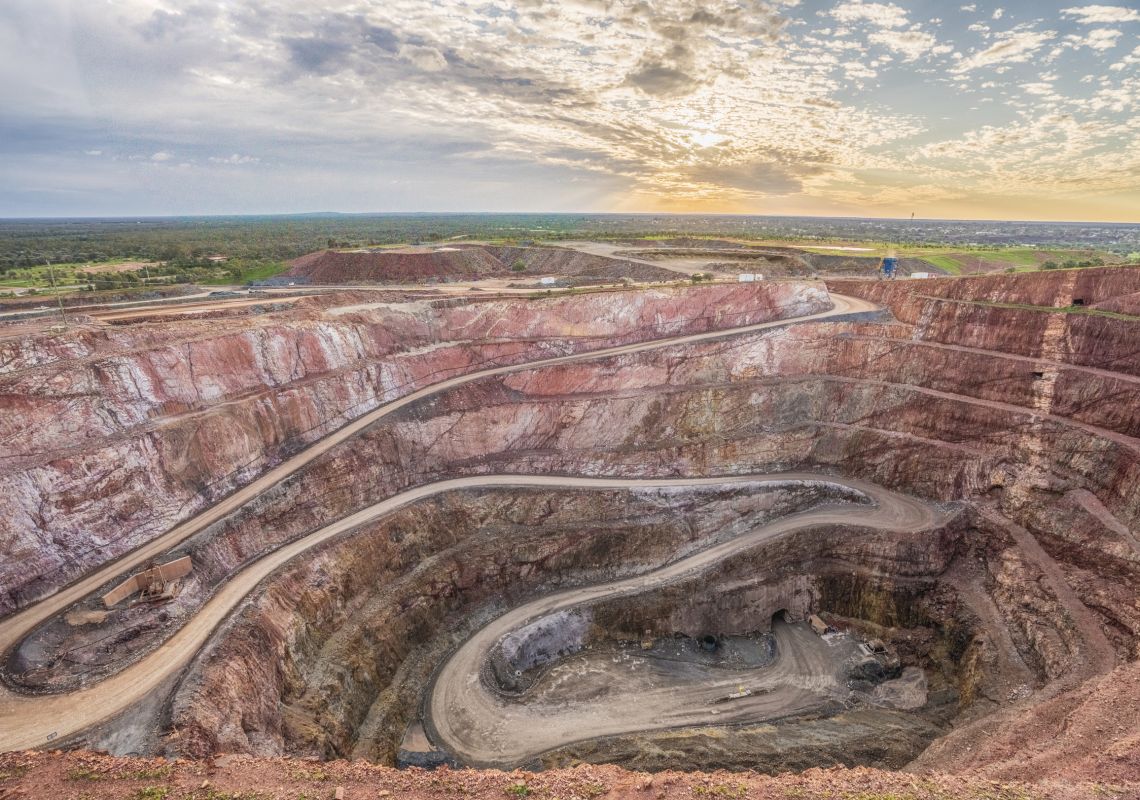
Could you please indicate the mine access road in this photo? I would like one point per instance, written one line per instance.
(28, 721)
(484, 727)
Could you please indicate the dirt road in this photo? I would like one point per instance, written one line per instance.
(36, 721)
(483, 727)
(186, 309)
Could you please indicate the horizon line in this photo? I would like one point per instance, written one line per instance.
(740, 215)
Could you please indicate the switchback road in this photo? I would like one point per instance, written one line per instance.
(485, 728)
(35, 721)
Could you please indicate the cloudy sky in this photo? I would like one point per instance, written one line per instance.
(1025, 110)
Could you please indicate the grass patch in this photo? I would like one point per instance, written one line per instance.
(12, 773)
(84, 774)
(945, 263)
(519, 789)
(213, 794)
(733, 791)
(315, 775)
(257, 272)
(152, 793)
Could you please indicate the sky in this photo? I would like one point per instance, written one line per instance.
(1018, 110)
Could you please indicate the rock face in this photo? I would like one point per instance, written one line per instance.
(375, 607)
(923, 405)
(114, 435)
(985, 393)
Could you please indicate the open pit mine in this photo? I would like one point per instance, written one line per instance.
(762, 526)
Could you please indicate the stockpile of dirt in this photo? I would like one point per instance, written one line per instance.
(334, 266)
(464, 263)
(561, 261)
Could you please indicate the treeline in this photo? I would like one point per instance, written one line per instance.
(1072, 263)
(28, 243)
(178, 271)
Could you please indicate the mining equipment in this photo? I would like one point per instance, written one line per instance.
(158, 583)
(818, 626)
(739, 694)
(888, 267)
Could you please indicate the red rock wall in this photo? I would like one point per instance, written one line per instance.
(1074, 338)
(117, 437)
(1044, 288)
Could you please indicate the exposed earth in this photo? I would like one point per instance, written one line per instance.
(581, 263)
(885, 528)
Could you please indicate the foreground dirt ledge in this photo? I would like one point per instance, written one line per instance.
(91, 776)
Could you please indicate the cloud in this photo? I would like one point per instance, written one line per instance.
(885, 15)
(426, 58)
(234, 159)
(912, 44)
(1128, 60)
(1097, 39)
(998, 13)
(1013, 47)
(1097, 15)
(312, 54)
(581, 104)
(759, 177)
(666, 74)
(662, 80)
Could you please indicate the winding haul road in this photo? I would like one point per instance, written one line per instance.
(35, 721)
(484, 728)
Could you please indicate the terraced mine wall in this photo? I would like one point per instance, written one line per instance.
(373, 614)
(115, 435)
(1030, 595)
(1057, 288)
(1051, 549)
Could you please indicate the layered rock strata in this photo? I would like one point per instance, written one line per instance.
(986, 392)
(115, 435)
